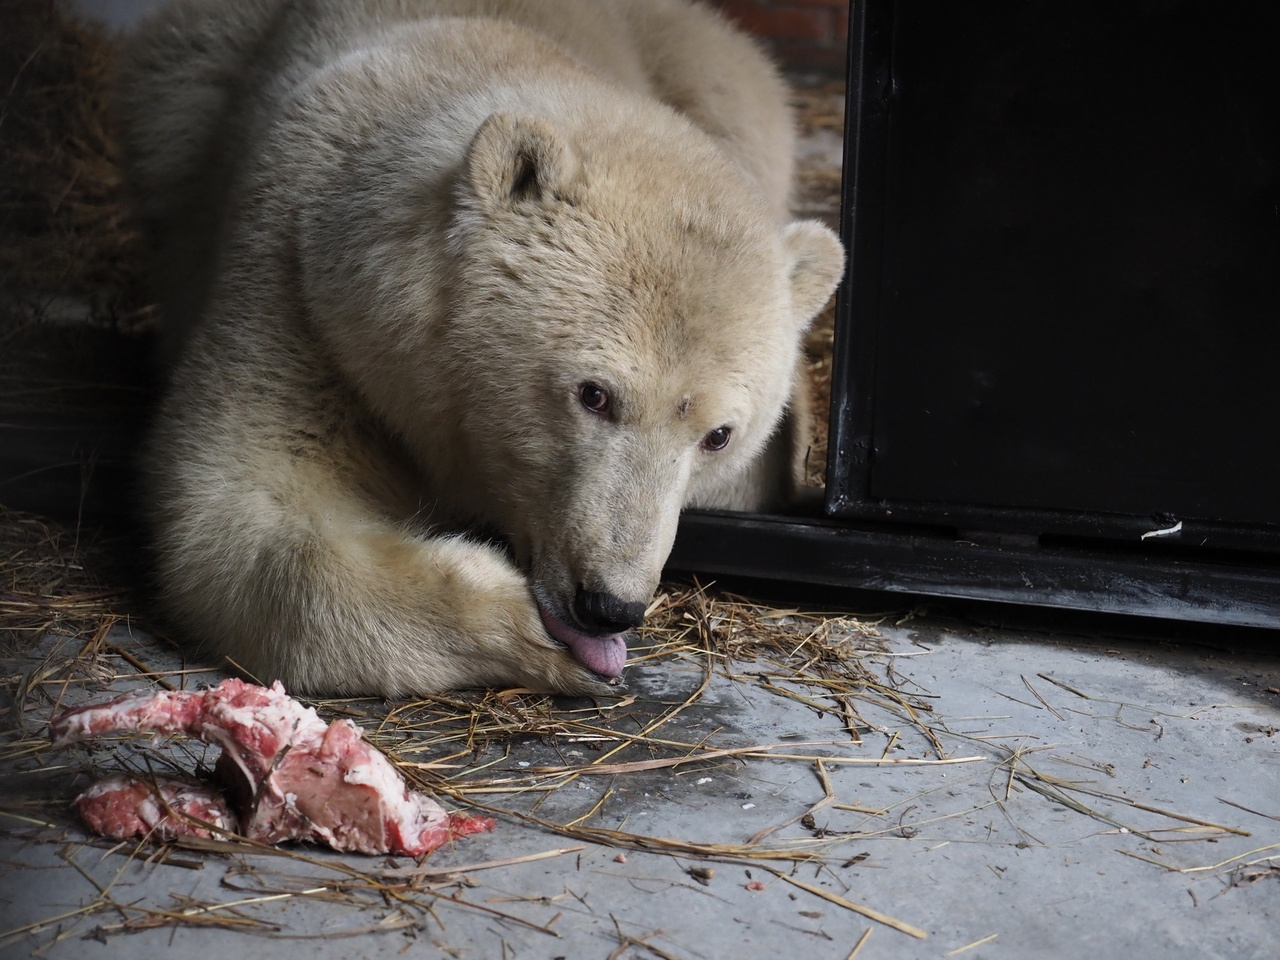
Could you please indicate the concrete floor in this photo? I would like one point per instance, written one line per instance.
(1159, 837)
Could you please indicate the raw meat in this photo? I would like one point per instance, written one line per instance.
(122, 806)
(288, 774)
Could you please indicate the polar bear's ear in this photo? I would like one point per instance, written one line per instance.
(516, 158)
(817, 263)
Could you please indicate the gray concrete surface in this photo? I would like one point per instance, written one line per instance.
(1155, 831)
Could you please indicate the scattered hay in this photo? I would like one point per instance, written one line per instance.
(820, 112)
(819, 105)
(64, 229)
(820, 118)
(819, 348)
(459, 744)
(51, 582)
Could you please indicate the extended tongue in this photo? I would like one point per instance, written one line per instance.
(605, 655)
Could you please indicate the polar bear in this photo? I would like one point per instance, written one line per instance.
(469, 300)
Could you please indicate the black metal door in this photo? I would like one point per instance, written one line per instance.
(1066, 292)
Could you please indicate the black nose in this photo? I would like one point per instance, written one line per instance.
(604, 613)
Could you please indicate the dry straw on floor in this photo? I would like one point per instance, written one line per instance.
(50, 591)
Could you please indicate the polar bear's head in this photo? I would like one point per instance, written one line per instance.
(625, 326)
(630, 321)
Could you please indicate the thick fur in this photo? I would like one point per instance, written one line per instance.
(394, 239)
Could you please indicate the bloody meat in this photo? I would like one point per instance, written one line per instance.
(286, 774)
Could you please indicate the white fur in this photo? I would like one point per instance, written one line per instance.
(393, 238)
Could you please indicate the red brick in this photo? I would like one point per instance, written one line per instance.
(804, 34)
(792, 23)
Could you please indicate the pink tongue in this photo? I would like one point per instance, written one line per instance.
(604, 655)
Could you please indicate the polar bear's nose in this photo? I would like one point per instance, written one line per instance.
(605, 613)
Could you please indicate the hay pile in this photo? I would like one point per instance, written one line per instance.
(820, 113)
(74, 377)
(65, 238)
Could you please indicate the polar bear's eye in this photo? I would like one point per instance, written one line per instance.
(717, 439)
(594, 397)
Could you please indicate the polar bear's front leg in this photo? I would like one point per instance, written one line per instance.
(334, 601)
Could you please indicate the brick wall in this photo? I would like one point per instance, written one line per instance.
(803, 34)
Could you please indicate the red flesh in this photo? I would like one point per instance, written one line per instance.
(290, 775)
